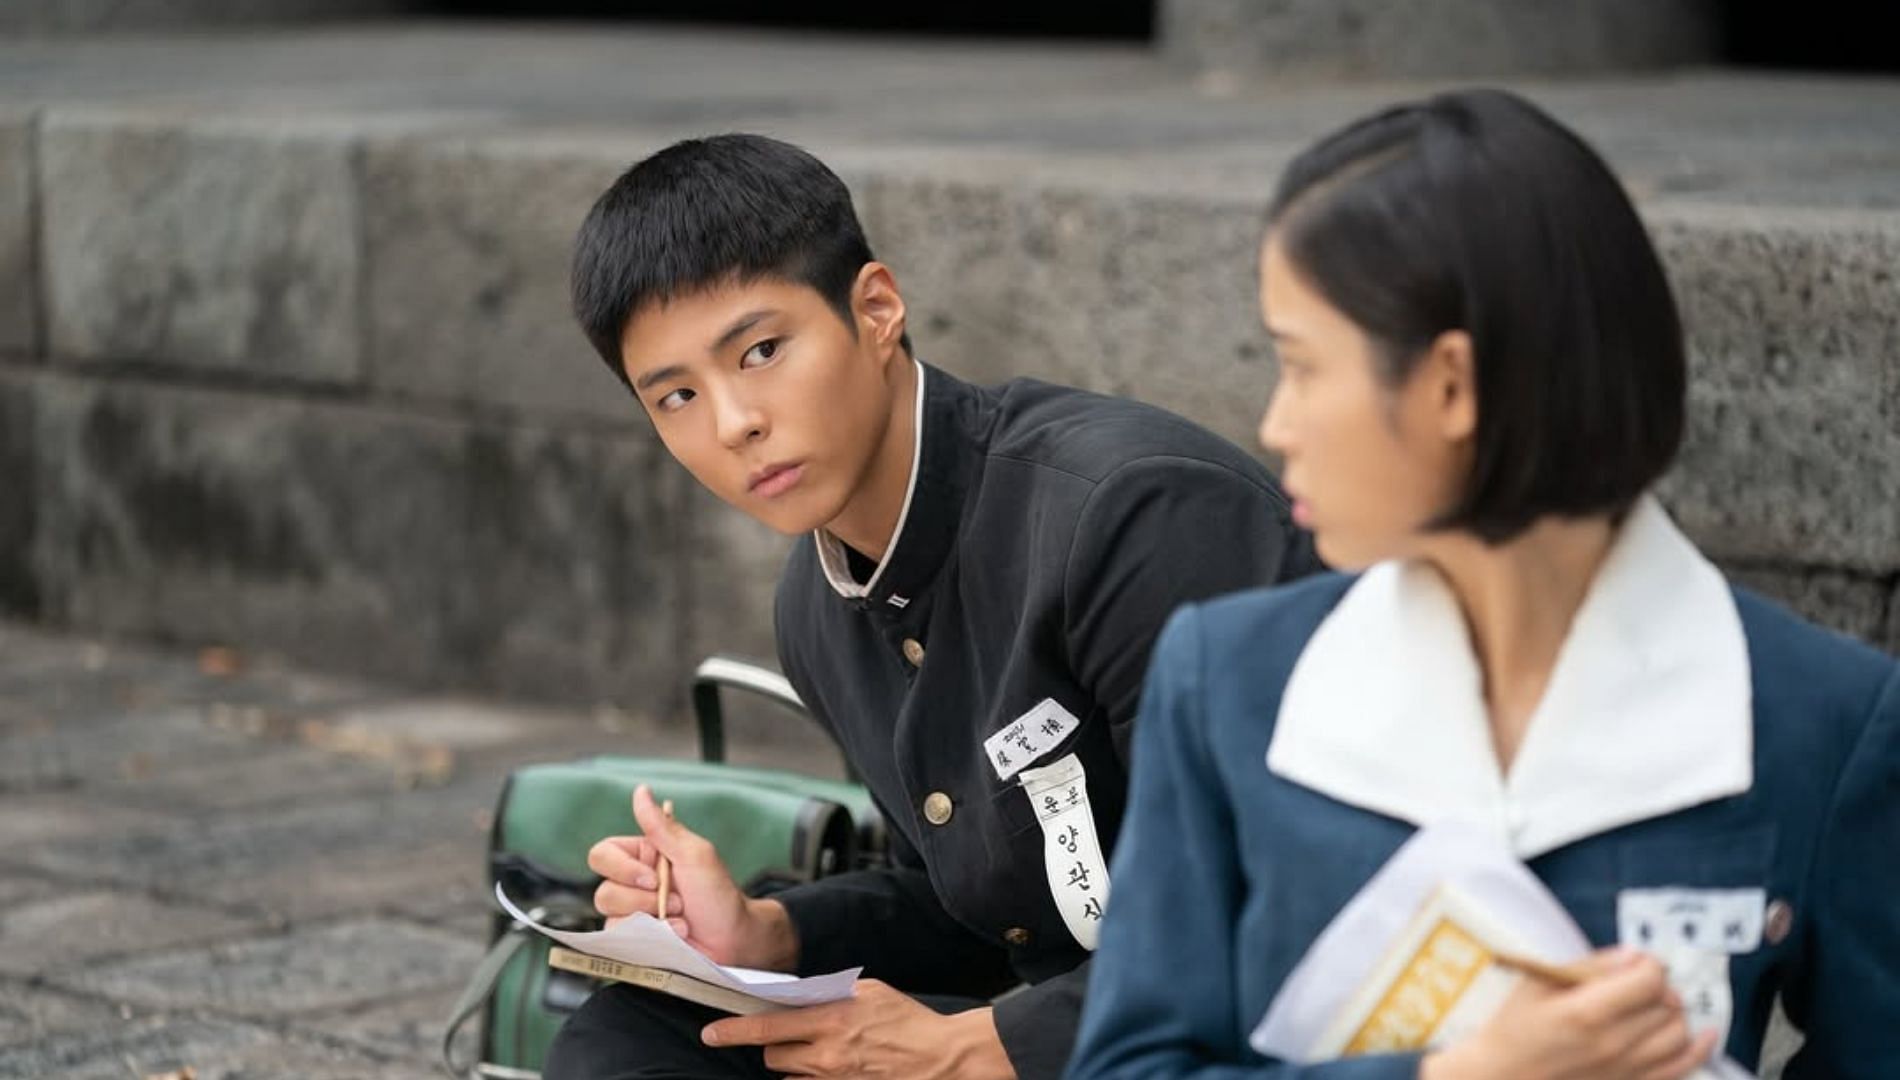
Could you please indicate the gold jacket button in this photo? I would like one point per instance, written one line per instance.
(914, 652)
(1016, 936)
(937, 808)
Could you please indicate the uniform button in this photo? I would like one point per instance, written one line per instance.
(1777, 921)
(914, 652)
(937, 808)
(1016, 936)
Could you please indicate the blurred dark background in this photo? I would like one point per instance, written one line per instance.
(1831, 35)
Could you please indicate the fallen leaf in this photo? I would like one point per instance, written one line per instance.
(219, 661)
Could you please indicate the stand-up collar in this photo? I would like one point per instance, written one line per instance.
(952, 433)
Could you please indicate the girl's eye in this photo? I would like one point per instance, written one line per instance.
(674, 401)
(761, 353)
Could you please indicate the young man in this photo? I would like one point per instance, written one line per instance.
(971, 619)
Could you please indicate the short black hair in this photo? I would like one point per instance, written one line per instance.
(1476, 211)
(706, 212)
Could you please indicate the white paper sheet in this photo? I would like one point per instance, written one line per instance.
(643, 939)
(1351, 946)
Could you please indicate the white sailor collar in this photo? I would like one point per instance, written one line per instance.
(1648, 710)
(831, 551)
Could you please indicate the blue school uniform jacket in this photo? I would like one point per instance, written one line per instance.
(1692, 737)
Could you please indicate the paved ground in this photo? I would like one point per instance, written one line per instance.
(207, 860)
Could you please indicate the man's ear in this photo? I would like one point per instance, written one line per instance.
(878, 309)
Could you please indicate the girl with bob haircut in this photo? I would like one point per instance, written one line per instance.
(1482, 378)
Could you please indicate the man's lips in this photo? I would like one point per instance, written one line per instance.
(775, 480)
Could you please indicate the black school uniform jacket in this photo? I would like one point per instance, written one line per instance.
(1047, 535)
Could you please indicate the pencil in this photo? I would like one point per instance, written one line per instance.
(666, 870)
(1551, 973)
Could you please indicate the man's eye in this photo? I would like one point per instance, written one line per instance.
(761, 353)
(674, 401)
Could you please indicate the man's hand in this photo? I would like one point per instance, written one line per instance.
(879, 1033)
(1622, 1021)
(705, 908)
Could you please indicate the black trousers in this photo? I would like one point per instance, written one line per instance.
(629, 1033)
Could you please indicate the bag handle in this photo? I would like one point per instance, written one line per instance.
(475, 995)
(481, 985)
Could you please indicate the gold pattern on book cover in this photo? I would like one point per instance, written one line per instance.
(1439, 973)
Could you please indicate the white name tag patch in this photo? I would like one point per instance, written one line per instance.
(1071, 855)
(1028, 737)
(1718, 920)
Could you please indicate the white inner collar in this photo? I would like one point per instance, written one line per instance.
(832, 555)
(1648, 709)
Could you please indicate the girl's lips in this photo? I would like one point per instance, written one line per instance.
(778, 482)
(1302, 514)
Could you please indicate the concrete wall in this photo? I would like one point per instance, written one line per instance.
(320, 394)
(1277, 39)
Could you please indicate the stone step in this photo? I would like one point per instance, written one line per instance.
(297, 360)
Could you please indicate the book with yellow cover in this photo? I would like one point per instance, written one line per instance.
(653, 978)
(1438, 982)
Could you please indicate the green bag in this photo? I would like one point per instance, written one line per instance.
(773, 829)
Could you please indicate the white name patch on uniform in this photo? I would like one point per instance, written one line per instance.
(1028, 737)
(1071, 855)
(1694, 932)
(1719, 920)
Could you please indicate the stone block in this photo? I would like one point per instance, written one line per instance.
(327, 967)
(1793, 320)
(468, 247)
(492, 557)
(1238, 39)
(1848, 603)
(736, 567)
(211, 516)
(46, 936)
(735, 571)
(1766, 478)
(19, 272)
(1126, 293)
(219, 246)
(570, 576)
(1780, 301)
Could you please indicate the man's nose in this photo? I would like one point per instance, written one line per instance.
(739, 420)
